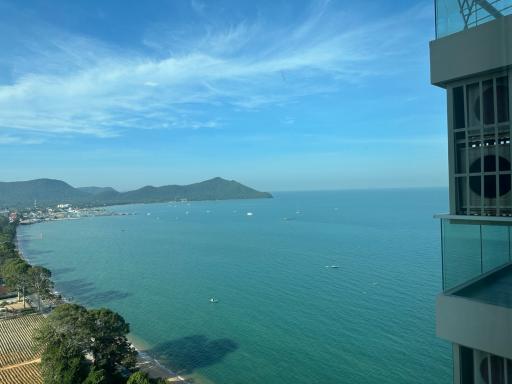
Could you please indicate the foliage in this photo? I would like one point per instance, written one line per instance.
(40, 282)
(96, 376)
(109, 345)
(62, 339)
(15, 273)
(71, 333)
(139, 378)
(61, 364)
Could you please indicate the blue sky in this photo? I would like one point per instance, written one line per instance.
(280, 95)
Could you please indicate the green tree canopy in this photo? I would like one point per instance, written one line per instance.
(75, 334)
(138, 378)
(15, 273)
(62, 364)
(109, 345)
(96, 377)
(40, 282)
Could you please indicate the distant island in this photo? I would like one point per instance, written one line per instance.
(48, 192)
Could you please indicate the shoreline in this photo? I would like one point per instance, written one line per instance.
(153, 367)
(145, 362)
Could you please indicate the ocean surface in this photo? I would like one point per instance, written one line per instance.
(282, 316)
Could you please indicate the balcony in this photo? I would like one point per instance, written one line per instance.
(495, 288)
(479, 315)
(473, 246)
(475, 309)
(457, 15)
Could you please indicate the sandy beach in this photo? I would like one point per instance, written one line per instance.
(154, 368)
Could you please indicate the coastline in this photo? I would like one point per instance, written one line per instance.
(155, 369)
(145, 362)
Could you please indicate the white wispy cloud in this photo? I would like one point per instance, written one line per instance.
(8, 139)
(82, 86)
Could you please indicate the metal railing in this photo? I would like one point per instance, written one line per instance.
(458, 15)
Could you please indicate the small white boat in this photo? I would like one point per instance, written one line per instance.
(249, 213)
(213, 300)
(332, 266)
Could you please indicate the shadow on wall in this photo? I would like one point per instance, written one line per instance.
(186, 354)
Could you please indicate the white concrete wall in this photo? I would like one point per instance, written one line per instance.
(474, 324)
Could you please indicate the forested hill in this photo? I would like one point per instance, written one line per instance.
(48, 192)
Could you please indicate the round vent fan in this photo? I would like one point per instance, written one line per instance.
(497, 370)
(489, 183)
(488, 102)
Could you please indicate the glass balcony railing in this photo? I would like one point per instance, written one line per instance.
(472, 249)
(457, 15)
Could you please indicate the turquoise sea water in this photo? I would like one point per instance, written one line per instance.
(282, 316)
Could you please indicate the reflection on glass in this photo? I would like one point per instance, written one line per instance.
(461, 253)
(469, 250)
(454, 16)
(495, 246)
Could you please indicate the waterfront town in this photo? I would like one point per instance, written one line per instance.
(61, 211)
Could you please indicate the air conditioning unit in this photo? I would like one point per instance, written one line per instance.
(489, 191)
(488, 368)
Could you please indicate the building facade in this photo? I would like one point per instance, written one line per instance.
(471, 58)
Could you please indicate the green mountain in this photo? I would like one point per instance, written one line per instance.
(48, 192)
(40, 191)
(213, 189)
(97, 190)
